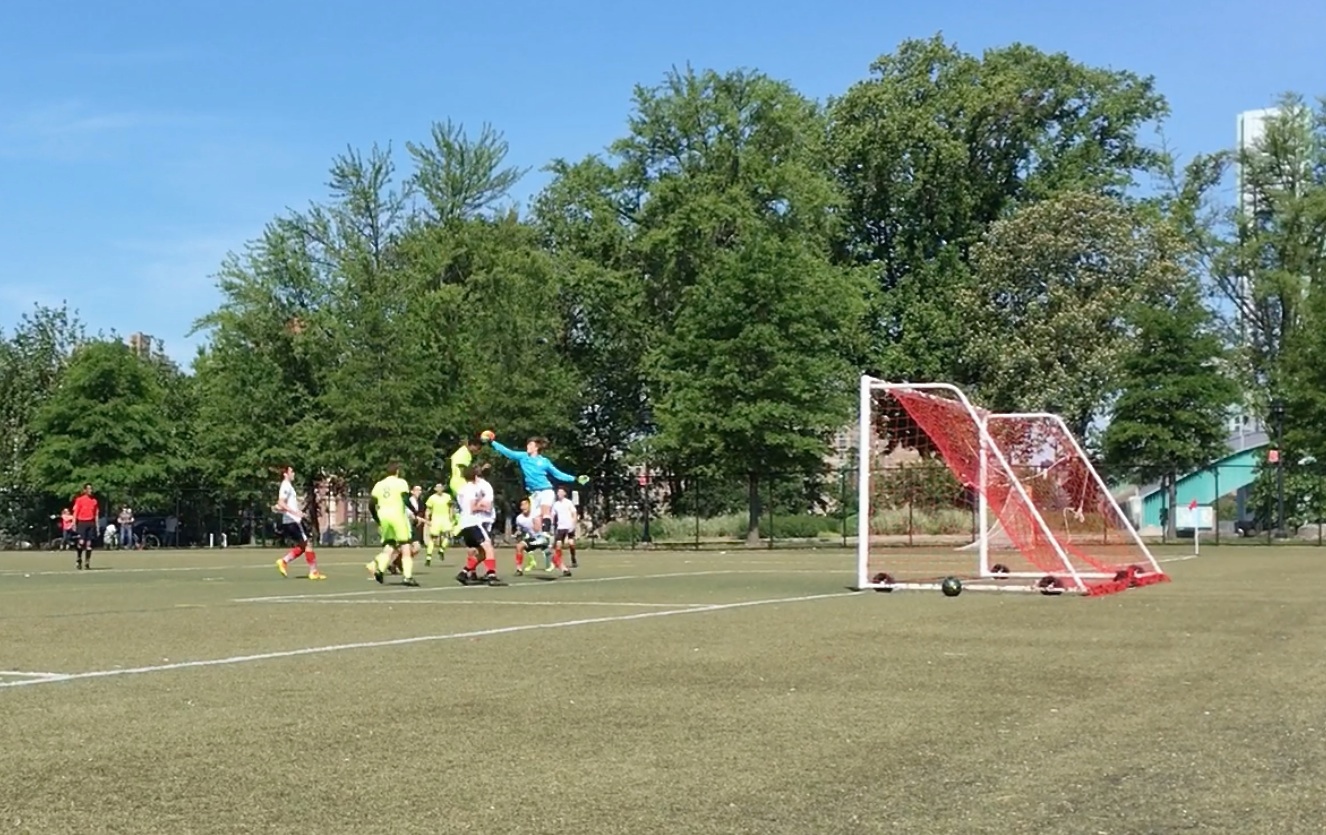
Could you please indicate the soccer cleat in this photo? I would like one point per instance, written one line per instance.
(463, 578)
(520, 573)
(410, 581)
(566, 572)
(428, 560)
(315, 575)
(574, 564)
(492, 579)
(280, 566)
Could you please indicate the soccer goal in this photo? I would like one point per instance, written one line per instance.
(1040, 517)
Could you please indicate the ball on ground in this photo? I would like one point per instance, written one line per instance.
(951, 587)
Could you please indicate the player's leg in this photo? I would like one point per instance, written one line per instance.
(89, 537)
(571, 547)
(557, 554)
(520, 556)
(489, 557)
(473, 538)
(392, 536)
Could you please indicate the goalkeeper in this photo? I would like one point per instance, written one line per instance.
(441, 523)
(538, 473)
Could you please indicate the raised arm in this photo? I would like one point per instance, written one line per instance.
(552, 470)
(507, 452)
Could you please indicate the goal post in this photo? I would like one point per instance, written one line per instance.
(1040, 516)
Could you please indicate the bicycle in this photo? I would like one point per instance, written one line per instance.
(148, 541)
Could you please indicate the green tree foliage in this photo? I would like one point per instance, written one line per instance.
(1046, 315)
(938, 144)
(1262, 257)
(108, 424)
(32, 360)
(461, 176)
(1177, 394)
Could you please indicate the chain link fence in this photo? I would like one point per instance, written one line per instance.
(911, 504)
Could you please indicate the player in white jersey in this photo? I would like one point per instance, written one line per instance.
(527, 540)
(293, 528)
(565, 519)
(476, 527)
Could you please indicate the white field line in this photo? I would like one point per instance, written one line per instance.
(1177, 559)
(397, 590)
(21, 674)
(380, 601)
(421, 639)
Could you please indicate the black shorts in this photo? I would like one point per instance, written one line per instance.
(476, 536)
(294, 533)
(87, 531)
(417, 532)
(563, 536)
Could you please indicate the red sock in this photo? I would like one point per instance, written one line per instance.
(311, 558)
(520, 560)
(490, 565)
(471, 562)
(294, 554)
(557, 559)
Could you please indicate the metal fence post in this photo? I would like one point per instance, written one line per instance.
(695, 507)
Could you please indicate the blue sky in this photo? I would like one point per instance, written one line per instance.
(139, 142)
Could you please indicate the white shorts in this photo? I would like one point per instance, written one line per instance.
(542, 499)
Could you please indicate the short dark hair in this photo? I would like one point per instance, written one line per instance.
(394, 468)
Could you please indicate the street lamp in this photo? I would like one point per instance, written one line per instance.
(1278, 418)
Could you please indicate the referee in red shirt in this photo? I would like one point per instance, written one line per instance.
(86, 513)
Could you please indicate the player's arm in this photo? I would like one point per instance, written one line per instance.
(373, 508)
(507, 452)
(551, 469)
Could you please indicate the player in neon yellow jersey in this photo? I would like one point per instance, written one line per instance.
(388, 506)
(441, 523)
(460, 459)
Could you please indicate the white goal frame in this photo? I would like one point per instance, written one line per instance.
(983, 544)
(1070, 578)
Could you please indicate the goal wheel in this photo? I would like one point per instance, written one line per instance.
(1050, 585)
(885, 579)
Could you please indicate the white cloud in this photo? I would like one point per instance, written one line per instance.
(72, 130)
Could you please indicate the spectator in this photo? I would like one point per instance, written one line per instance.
(125, 523)
(68, 529)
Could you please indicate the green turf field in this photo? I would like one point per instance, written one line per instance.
(747, 692)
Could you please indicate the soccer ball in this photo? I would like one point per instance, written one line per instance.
(951, 587)
(487, 434)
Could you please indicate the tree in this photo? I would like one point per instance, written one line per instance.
(937, 145)
(1261, 254)
(460, 176)
(107, 424)
(585, 220)
(748, 327)
(1046, 310)
(32, 362)
(1177, 392)
(756, 374)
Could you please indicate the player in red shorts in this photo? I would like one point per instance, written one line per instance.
(86, 513)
